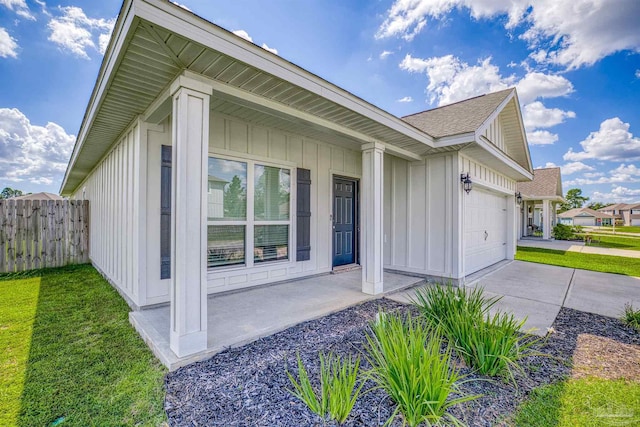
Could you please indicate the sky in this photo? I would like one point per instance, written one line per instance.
(575, 64)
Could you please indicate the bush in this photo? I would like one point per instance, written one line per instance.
(337, 392)
(490, 344)
(563, 232)
(631, 317)
(577, 229)
(408, 364)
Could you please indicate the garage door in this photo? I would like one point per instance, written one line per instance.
(485, 229)
(584, 220)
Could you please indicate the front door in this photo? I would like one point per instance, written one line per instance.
(345, 227)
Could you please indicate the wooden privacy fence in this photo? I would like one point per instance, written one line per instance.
(43, 233)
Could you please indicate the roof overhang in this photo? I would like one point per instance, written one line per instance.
(155, 41)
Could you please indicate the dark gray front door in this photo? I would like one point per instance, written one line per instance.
(345, 227)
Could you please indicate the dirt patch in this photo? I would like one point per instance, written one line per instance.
(602, 357)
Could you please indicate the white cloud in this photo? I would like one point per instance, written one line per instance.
(19, 7)
(570, 168)
(31, 153)
(270, 49)
(536, 115)
(243, 34)
(618, 194)
(623, 174)
(75, 32)
(593, 174)
(574, 33)
(541, 137)
(405, 99)
(612, 142)
(536, 85)
(638, 74)
(385, 53)
(8, 45)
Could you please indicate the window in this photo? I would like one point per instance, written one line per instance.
(249, 212)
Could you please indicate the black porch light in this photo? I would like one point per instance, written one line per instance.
(466, 182)
(518, 197)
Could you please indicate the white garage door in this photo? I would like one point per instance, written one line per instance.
(584, 220)
(485, 229)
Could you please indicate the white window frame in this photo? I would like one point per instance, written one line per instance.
(250, 222)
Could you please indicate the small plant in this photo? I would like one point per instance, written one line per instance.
(337, 392)
(631, 317)
(407, 362)
(491, 344)
(563, 232)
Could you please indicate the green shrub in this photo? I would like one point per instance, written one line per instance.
(631, 317)
(577, 229)
(491, 344)
(562, 232)
(408, 364)
(337, 392)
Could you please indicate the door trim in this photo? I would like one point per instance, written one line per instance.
(356, 215)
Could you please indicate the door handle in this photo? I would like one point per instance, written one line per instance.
(486, 234)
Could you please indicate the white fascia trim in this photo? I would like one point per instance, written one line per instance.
(463, 138)
(191, 26)
(112, 58)
(500, 155)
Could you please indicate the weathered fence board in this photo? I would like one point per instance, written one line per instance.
(43, 233)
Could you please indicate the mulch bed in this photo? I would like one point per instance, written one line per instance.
(247, 386)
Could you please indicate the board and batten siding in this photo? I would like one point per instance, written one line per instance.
(486, 177)
(112, 189)
(230, 137)
(495, 133)
(419, 217)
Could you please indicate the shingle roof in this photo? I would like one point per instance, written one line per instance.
(458, 118)
(547, 183)
(575, 212)
(620, 206)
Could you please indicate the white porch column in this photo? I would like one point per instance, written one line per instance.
(546, 220)
(372, 224)
(190, 127)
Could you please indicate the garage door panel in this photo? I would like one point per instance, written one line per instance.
(584, 220)
(485, 229)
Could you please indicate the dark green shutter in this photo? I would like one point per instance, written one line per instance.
(303, 215)
(165, 213)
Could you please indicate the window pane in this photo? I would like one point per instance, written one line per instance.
(225, 245)
(271, 242)
(272, 188)
(227, 190)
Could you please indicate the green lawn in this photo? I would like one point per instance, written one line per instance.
(582, 402)
(625, 229)
(616, 242)
(69, 357)
(603, 263)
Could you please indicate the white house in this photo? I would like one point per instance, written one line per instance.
(311, 177)
(625, 213)
(540, 201)
(585, 217)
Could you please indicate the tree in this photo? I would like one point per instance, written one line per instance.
(9, 192)
(574, 199)
(597, 205)
(235, 199)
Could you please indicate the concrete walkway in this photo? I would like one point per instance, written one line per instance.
(577, 246)
(538, 291)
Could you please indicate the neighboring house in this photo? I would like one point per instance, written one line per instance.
(38, 196)
(625, 213)
(541, 199)
(585, 217)
(312, 177)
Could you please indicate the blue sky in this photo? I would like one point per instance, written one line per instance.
(576, 65)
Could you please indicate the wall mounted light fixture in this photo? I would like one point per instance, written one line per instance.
(518, 197)
(466, 182)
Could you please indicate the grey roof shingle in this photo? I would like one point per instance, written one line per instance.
(575, 212)
(459, 117)
(547, 183)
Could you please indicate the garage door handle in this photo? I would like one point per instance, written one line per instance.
(486, 234)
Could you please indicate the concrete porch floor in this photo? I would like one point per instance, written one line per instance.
(235, 319)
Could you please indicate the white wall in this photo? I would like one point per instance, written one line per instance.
(234, 138)
(113, 188)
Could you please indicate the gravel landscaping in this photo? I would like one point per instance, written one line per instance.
(247, 386)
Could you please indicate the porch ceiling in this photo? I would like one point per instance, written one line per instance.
(147, 53)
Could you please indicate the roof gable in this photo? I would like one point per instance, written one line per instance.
(546, 184)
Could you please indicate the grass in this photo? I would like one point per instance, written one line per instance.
(582, 402)
(593, 262)
(621, 229)
(407, 362)
(69, 356)
(615, 242)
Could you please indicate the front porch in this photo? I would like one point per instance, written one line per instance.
(237, 318)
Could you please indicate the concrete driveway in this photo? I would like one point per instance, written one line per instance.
(538, 291)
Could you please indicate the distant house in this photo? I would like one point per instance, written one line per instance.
(541, 199)
(626, 213)
(39, 196)
(585, 216)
